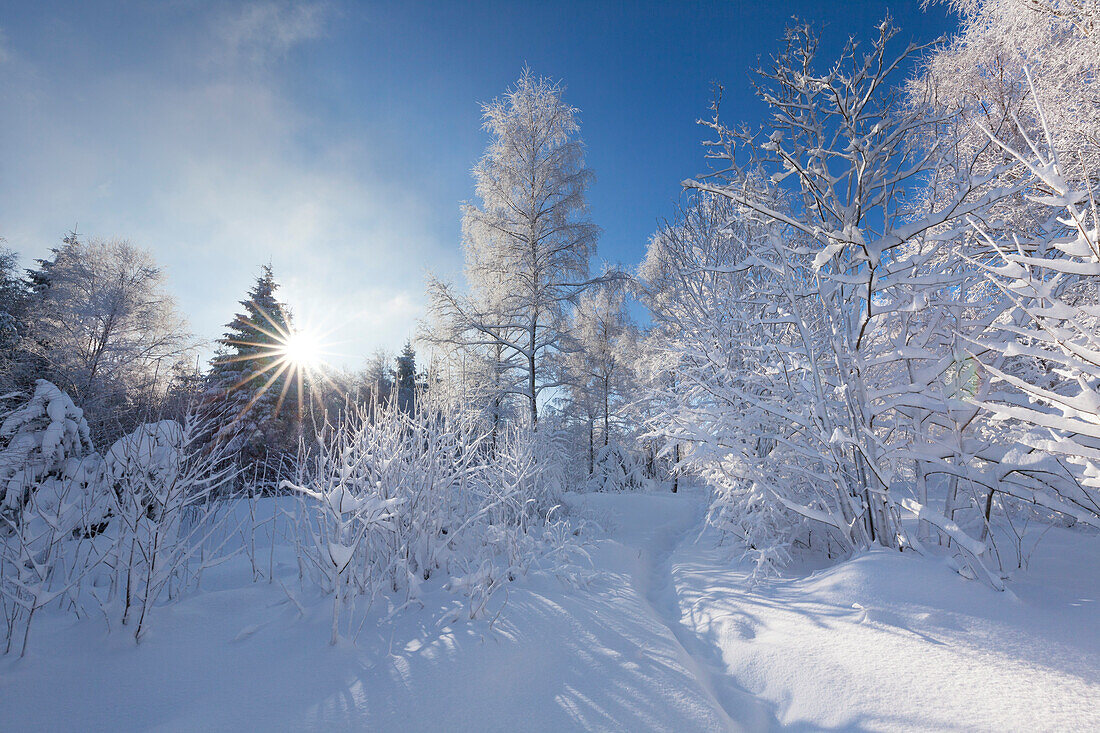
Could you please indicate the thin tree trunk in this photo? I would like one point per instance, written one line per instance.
(531, 376)
(606, 413)
(676, 468)
(591, 446)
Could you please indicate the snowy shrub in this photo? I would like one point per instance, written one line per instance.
(47, 452)
(747, 510)
(519, 526)
(343, 517)
(617, 468)
(117, 534)
(167, 521)
(51, 485)
(149, 456)
(392, 499)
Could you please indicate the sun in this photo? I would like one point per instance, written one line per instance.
(289, 359)
(302, 349)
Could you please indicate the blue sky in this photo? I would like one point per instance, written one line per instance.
(336, 139)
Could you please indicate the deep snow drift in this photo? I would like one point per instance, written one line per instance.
(668, 636)
(889, 641)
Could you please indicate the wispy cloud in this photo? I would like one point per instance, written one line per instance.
(259, 32)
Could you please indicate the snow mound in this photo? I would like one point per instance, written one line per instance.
(149, 455)
(893, 641)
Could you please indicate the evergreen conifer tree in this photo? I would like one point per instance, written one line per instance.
(252, 376)
(406, 378)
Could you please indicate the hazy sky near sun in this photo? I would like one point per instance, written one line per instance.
(335, 139)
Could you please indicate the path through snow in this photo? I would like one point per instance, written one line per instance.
(655, 526)
(884, 641)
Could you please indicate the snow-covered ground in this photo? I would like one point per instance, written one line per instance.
(893, 642)
(670, 636)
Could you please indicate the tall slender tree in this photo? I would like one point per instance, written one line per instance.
(527, 241)
(599, 365)
(14, 297)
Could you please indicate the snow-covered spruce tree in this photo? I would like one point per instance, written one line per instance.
(527, 242)
(250, 383)
(857, 255)
(406, 377)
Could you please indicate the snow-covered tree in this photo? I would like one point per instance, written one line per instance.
(981, 73)
(251, 382)
(478, 378)
(846, 265)
(1049, 379)
(527, 242)
(47, 451)
(1024, 73)
(723, 366)
(599, 364)
(106, 329)
(14, 323)
(379, 375)
(406, 377)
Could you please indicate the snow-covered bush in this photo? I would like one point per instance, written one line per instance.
(42, 561)
(70, 513)
(51, 486)
(116, 534)
(617, 468)
(747, 510)
(147, 457)
(167, 513)
(47, 453)
(343, 517)
(391, 499)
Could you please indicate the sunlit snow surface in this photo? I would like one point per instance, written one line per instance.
(670, 637)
